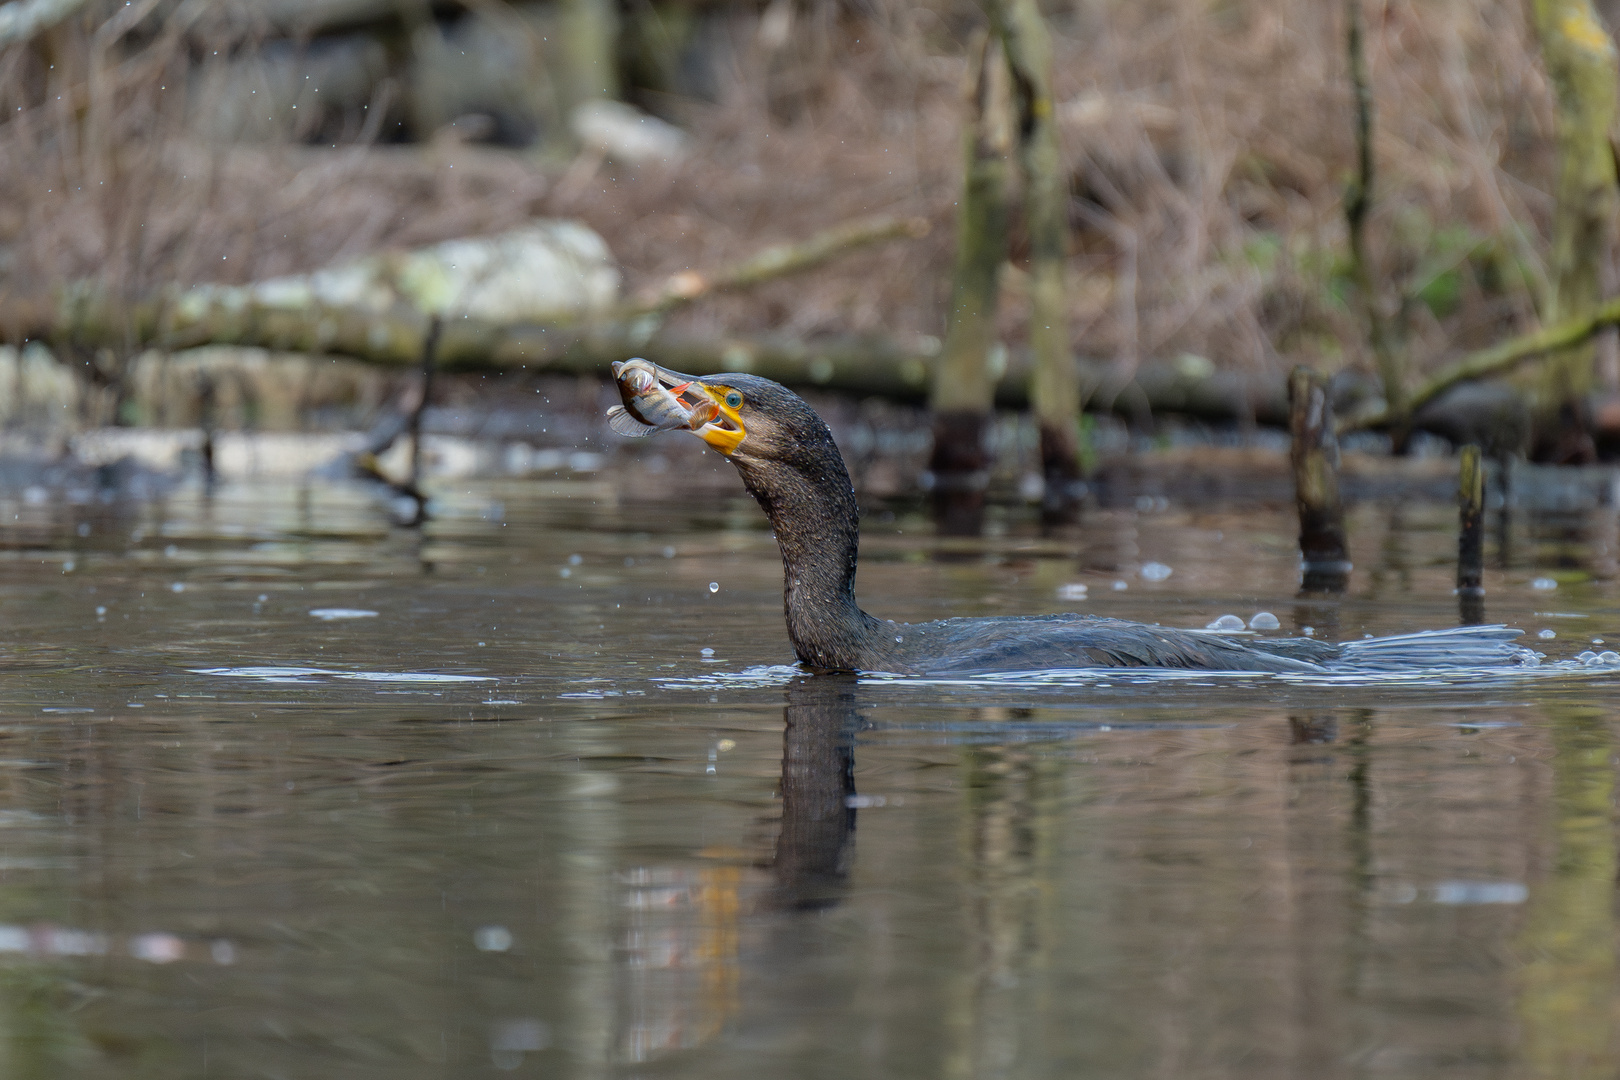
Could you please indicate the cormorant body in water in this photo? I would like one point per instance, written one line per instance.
(789, 463)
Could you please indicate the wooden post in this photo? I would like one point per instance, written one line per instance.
(1055, 384)
(964, 385)
(1471, 536)
(1580, 59)
(1315, 458)
(430, 348)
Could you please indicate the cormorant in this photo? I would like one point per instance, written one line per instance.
(788, 461)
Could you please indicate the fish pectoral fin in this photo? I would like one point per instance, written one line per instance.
(622, 423)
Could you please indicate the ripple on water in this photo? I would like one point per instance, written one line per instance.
(300, 674)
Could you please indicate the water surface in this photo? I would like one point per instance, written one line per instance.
(288, 791)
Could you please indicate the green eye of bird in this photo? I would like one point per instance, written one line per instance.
(734, 400)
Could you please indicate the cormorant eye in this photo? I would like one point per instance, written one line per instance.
(733, 400)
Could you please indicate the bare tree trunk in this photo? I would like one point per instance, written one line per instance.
(964, 386)
(1580, 58)
(1055, 387)
(590, 30)
(1357, 205)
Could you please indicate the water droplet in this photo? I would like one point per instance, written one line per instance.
(669, 552)
(178, 586)
(1547, 635)
(1225, 622)
(100, 610)
(263, 597)
(1544, 584)
(1264, 620)
(1120, 586)
(1155, 571)
(565, 572)
(1309, 631)
(714, 586)
(171, 551)
(575, 560)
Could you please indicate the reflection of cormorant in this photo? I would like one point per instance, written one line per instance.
(790, 464)
(818, 780)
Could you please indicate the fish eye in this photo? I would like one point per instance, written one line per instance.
(733, 400)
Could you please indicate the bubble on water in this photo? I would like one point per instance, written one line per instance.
(171, 551)
(1264, 620)
(566, 571)
(669, 551)
(706, 652)
(492, 939)
(1155, 571)
(575, 560)
(223, 952)
(1120, 586)
(330, 614)
(1547, 635)
(1072, 591)
(1609, 656)
(263, 597)
(1597, 641)
(1544, 584)
(178, 586)
(1225, 622)
(68, 567)
(83, 529)
(100, 611)
(714, 586)
(1309, 631)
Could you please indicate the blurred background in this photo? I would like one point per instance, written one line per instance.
(241, 215)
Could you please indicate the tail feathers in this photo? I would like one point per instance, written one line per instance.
(1464, 646)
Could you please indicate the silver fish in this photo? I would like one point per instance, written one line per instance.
(649, 406)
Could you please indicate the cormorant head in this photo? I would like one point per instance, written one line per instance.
(762, 423)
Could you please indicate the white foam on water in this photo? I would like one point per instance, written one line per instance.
(304, 674)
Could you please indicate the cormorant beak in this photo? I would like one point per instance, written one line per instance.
(726, 430)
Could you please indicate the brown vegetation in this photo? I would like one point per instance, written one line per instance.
(1208, 148)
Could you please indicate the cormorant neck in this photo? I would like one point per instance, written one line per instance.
(811, 505)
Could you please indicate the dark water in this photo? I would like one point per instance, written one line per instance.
(521, 821)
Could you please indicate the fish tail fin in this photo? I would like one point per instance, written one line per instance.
(620, 420)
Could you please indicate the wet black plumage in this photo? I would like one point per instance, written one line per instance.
(790, 464)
